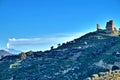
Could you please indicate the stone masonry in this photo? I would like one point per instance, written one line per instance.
(110, 26)
(98, 27)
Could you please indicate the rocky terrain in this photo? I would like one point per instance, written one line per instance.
(110, 75)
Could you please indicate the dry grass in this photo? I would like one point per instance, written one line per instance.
(117, 78)
(111, 75)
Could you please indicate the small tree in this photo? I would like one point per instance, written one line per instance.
(59, 45)
(52, 47)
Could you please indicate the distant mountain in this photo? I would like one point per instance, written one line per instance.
(13, 51)
(93, 53)
(4, 53)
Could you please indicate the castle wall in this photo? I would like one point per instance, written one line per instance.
(110, 26)
(98, 27)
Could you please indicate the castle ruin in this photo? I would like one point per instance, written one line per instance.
(98, 27)
(109, 27)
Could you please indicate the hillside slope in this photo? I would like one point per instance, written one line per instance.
(75, 60)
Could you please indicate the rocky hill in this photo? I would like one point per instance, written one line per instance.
(79, 59)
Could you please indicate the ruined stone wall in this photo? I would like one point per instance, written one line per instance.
(110, 26)
(98, 27)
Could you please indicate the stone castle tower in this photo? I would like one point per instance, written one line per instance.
(98, 27)
(110, 26)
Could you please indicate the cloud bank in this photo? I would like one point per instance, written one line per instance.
(42, 43)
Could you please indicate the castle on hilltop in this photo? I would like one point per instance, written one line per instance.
(109, 27)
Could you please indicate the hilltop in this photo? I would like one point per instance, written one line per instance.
(92, 53)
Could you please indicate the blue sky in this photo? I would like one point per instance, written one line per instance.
(41, 22)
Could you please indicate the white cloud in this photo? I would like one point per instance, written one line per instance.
(8, 45)
(26, 43)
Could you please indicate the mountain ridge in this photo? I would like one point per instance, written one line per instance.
(92, 53)
(13, 51)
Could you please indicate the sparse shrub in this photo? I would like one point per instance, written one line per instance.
(52, 47)
(59, 45)
(115, 68)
